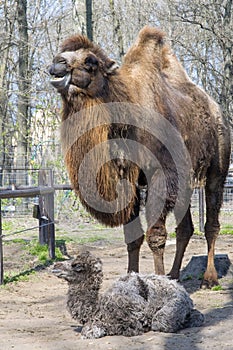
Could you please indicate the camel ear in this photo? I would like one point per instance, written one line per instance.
(111, 66)
(91, 62)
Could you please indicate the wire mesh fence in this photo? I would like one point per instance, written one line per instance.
(69, 209)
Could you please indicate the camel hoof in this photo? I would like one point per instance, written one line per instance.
(208, 284)
(173, 276)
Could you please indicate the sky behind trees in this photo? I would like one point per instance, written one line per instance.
(200, 33)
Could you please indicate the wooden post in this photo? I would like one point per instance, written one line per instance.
(49, 209)
(46, 209)
(43, 230)
(43, 220)
(51, 227)
(1, 249)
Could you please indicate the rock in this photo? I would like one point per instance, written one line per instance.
(197, 265)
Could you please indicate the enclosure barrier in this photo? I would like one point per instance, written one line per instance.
(48, 194)
(44, 211)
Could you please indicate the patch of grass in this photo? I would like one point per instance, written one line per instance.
(200, 276)
(187, 278)
(172, 235)
(21, 241)
(7, 226)
(42, 253)
(63, 240)
(81, 226)
(98, 225)
(198, 233)
(216, 288)
(91, 239)
(21, 277)
(226, 230)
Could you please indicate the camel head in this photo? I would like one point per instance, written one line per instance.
(80, 269)
(81, 68)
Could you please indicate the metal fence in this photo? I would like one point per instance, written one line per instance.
(65, 201)
(25, 190)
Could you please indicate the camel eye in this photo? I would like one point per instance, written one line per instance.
(91, 63)
(77, 267)
(59, 60)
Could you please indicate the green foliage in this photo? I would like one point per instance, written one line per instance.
(21, 241)
(198, 233)
(36, 250)
(41, 252)
(187, 278)
(92, 239)
(201, 276)
(216, 288)
(226, 229)
(7, 226)
(21, 277)
(172, 235)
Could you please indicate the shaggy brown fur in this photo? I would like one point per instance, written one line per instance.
(151, 86)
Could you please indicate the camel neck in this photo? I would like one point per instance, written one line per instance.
(83, 299)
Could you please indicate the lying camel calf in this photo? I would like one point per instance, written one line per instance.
(134, 304)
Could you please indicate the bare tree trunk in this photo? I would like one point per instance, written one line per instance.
(117, 29)
(6, 69)
(23, 85)
(89, 25)
(226, 44)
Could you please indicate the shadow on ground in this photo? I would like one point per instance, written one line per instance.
(191, 277)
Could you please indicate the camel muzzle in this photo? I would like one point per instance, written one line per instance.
(60, 78)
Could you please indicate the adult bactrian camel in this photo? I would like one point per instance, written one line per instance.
(143, 124)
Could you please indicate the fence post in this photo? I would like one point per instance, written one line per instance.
(1, 249)
(43, 221)
(49, 209)
(46, 213)
(201, 209)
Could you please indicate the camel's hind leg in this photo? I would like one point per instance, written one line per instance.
(214, 195)
(215, 179)
(184, 232)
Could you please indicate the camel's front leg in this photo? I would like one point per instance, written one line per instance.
(133, 254)
(156, 237)
(134, 236)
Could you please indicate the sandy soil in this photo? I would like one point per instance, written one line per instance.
(33, 314)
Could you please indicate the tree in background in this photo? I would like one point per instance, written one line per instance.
(24, 84)
(30, 34)
(89, 26)
(205, 41)
(7, 69)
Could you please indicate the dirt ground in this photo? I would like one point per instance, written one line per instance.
(33, 313)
